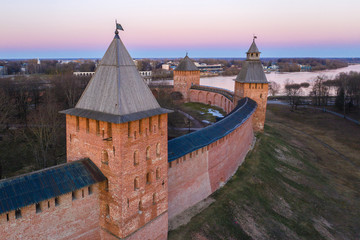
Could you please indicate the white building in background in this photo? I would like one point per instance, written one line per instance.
(83, 74)
(147, 76)
(165, 66)
(203, 67)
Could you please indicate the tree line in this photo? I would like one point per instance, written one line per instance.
(52, 67)
(316, 64)
(32, 132)
(345, 87)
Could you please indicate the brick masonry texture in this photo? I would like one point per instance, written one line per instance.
(257, 92)
(126, 153)
(183, 81)
(195, 176)
(212, 98)
(71, 219)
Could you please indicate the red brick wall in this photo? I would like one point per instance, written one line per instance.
(183, 81)
(155, 229)
(257, 92)
(212, 98)
(71, 219)
(125, 209)
(198, 174)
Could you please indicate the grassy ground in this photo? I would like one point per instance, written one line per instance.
(201, 111)
(301, 181)
(198, 111)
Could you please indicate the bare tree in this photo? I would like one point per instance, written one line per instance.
(320, 91)
(43, 132)
(68, 88)
(274, 88)
(294, 92)
(6, 108)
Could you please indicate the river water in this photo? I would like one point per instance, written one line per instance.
(281, 78)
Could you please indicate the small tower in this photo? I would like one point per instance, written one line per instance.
(119, 125)
(251, 82)
(185, 75)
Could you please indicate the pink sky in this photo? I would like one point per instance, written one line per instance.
(202, 27)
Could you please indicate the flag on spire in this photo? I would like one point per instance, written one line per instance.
(118, 26)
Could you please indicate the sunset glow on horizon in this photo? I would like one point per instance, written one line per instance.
(71, 29)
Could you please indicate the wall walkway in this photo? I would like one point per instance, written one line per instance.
(202, 161)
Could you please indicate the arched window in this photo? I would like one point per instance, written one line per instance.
(148, 153)
(260, 95)
(140, 205)
(107, 211)
(158, 173)
(136, 183)
(148, 178)
(158, 149)
(136, 158)
(104, 157)
(154, 198)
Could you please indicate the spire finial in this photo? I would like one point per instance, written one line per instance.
(186, 53)
(254, 37)
(116, 31)
(118, 26)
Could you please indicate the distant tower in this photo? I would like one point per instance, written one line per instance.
(185, 75)
(251, 82)
(119, 125)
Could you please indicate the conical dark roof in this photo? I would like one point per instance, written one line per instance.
(253, 48)
(116, 92)
(186, 64)
(252, 70)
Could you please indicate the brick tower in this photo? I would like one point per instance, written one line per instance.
(119, 125)
(251, 82)
(185, 75)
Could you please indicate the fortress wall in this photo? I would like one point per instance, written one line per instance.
(212, 98)
(71, 219)
(189, 181)
(227, 154)
(198, 174)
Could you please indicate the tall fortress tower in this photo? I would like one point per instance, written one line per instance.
(119, 125)
(251, 82)
(185, 75)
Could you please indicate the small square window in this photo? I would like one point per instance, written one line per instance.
(38, 208)
(57, 203)
(18, 214)
(73, 196)
(90, 190)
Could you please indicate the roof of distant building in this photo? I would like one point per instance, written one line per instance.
(186, 64)
(116, 91)
(48, 183)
